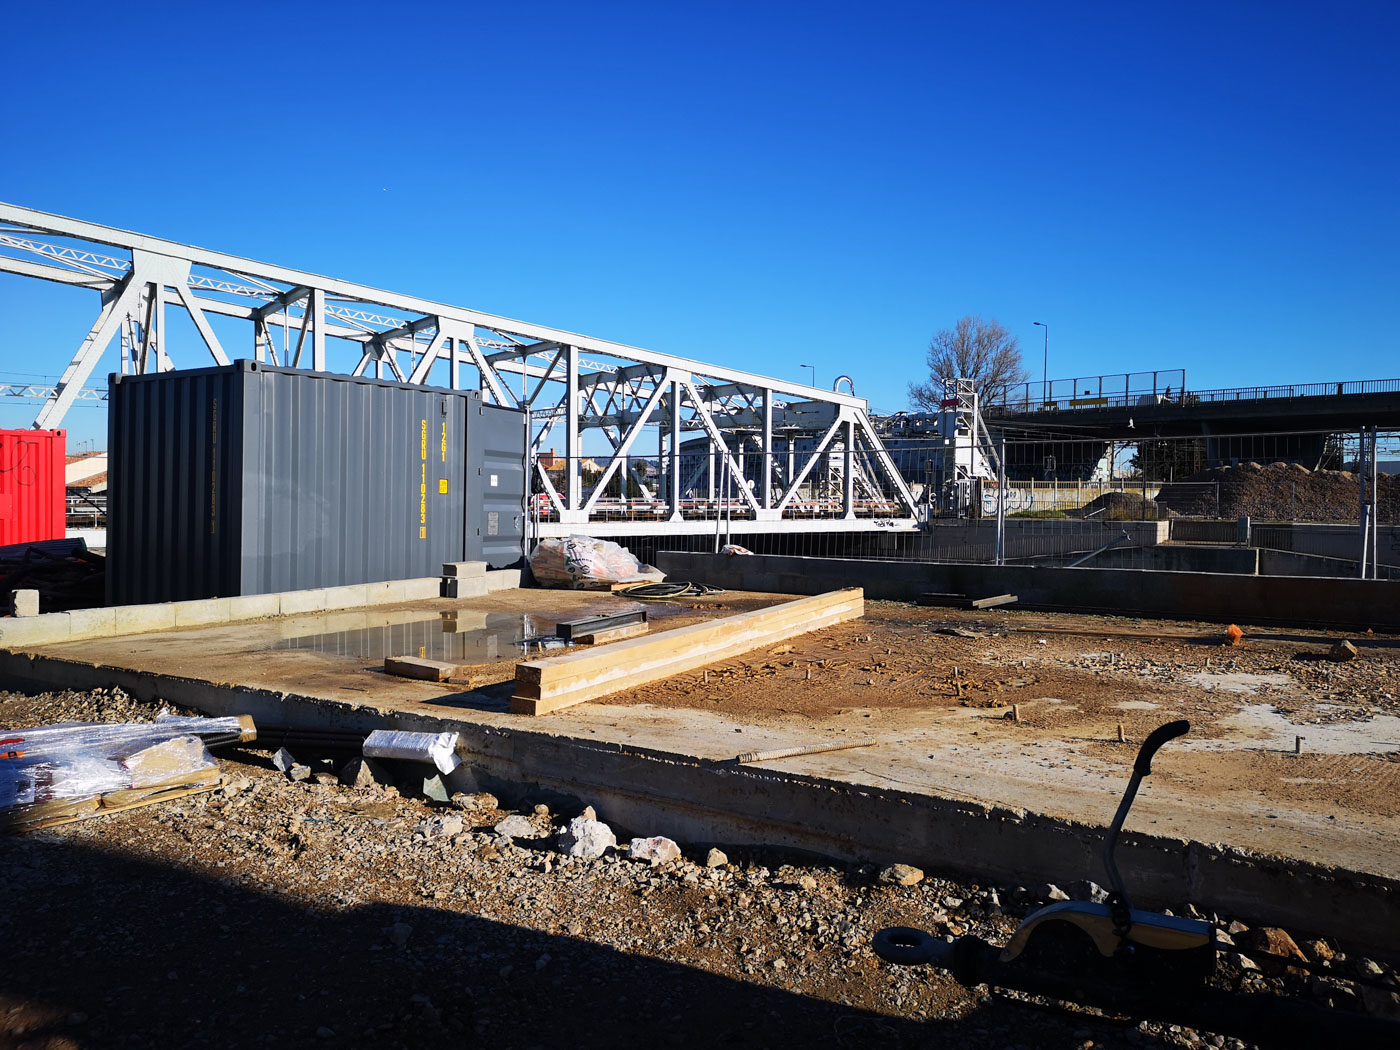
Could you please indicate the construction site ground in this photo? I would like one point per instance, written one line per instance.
(935, 689)
(281, 913)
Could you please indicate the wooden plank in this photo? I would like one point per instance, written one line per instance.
(420, 668)
(568, 680)
(553, 697)
(992, 603)
(66, 811)
(574, 664)
(561, 670)
(675, 651)
(614, 634)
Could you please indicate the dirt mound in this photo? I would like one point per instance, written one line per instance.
(1277, 492)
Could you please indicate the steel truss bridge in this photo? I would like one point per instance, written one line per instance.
(685, 442)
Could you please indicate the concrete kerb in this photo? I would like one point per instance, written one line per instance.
(699, 800)
(78, 624)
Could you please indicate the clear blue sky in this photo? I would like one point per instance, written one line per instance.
(1199, 185)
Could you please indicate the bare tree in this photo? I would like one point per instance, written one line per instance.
(977, 349)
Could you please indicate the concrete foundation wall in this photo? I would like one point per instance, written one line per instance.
(1133, 592)
(1328, 541)
(1166, 558)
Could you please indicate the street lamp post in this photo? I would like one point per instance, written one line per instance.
(814, 373)
(1045, 365)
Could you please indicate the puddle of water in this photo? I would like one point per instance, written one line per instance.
(456, 637)
(465, 636)
(1237, 681)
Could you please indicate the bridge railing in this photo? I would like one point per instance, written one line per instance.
(1024, 400)
(1294, 390)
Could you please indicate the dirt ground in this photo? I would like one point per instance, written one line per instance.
(280, 913)
(1081, 686)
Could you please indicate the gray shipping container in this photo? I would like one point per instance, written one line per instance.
(249, 478)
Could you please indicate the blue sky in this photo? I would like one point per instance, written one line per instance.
(765, 185)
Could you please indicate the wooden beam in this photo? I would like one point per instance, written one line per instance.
(420, 668)
(542, 686)
(614, 634)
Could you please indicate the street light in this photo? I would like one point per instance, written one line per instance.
(814, 373)
(1045, 375)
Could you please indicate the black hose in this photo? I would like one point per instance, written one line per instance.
(677, 589)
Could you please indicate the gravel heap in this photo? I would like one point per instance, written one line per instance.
(1278, 492)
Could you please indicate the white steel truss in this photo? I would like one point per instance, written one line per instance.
(570, 384)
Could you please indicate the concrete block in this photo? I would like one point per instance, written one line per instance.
(352, 596)
(24, 602)
(464, 568)
(92, 623)
(254, 606)
(21, 631)
(386, 592)
(462, 587)
(294, 603)
(503, 580)
(201, 611)
(137, 619)
(420, 589)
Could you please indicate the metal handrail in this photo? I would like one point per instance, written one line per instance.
(1133, 399)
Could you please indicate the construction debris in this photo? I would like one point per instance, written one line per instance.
(438, 748)
(655, 850)
(1342, 652)
(586, 838)
(365, 774)
(57, 774)
(65, 574)
(793, 752)
(902, 875)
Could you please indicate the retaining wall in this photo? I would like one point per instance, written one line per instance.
(1131, 592)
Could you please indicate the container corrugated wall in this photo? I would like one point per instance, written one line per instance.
(249, 479)
(33, 494)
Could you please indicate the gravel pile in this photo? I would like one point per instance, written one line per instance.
(1278, 492)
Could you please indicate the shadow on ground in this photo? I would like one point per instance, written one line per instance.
(101, 949)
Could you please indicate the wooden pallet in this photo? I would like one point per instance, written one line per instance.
(542, 686)
(66, 811)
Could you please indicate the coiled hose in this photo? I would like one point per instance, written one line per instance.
(662, 591)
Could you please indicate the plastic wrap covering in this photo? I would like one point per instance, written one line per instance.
(55, 774)
(438, 748)
(578, 560)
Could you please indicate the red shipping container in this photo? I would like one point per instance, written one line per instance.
(33, 494)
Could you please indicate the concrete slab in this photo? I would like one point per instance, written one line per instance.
(940, 790)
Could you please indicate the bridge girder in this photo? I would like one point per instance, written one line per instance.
(338, 326)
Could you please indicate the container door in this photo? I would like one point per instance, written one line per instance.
(495, 511)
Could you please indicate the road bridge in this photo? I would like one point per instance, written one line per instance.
(1294, 422)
